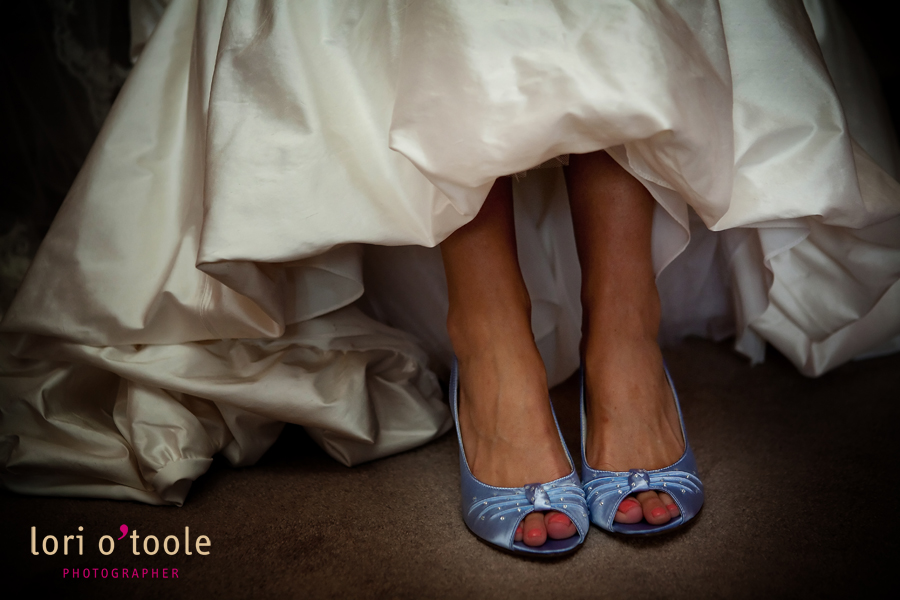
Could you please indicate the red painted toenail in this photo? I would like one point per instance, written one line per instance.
(671, 507)
(534, 533)
(657, 512)
(628, 504)
(562, 519)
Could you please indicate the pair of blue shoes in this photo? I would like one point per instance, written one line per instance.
(493, 513)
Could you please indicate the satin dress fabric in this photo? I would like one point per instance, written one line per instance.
(252, 239)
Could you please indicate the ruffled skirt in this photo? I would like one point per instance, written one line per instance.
(253, 238)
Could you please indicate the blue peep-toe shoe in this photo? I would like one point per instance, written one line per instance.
(494, 513)
(605, 490)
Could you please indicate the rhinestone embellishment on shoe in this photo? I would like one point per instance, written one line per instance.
(538, 496)
(639, 480)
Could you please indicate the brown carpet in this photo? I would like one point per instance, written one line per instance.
(801, 481)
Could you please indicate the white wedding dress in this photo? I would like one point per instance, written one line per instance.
(252, 239)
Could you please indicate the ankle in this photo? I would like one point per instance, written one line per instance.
(499, 327)
(628, 337)
(615, 319)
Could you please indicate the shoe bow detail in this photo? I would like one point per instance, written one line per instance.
(538, 496)
(530, 498)
(639, 480)
(608, 489)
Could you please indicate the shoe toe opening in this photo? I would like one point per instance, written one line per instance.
(644, 527)
(551, 546)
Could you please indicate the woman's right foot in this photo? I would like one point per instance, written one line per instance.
(505, 419)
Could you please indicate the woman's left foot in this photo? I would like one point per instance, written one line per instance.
(632, 421)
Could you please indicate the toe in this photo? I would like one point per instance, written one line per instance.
(655, 512)
(520, 533)
(670, 505)
(535, 532)
(559, 526)
(629, 511)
